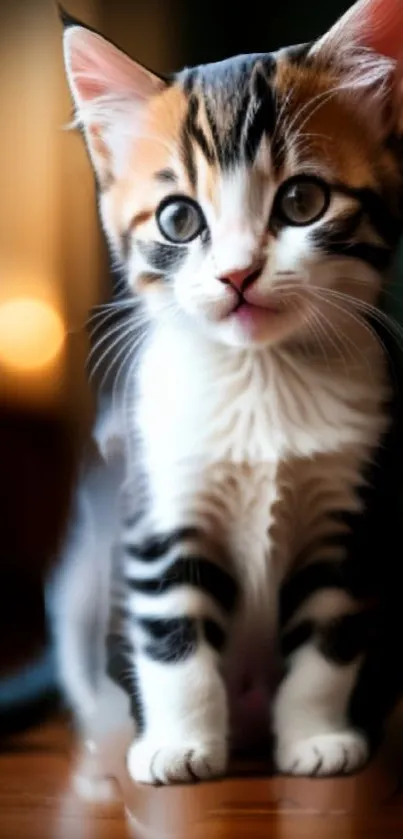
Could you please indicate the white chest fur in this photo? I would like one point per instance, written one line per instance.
(206, 403)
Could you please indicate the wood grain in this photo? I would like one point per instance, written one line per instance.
(37, 801)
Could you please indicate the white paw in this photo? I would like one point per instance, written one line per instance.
(150, 762)
(338, 753)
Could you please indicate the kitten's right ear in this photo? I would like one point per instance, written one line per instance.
(367, 43)
(110, 93)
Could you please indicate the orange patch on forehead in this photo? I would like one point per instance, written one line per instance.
(155, 148)
(167, 112)
(327, 128)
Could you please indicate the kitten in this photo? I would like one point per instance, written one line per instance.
(256, 206)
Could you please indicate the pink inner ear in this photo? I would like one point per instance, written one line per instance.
(98, 68)
(382, 28)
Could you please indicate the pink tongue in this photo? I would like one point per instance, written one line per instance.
(245, 312)
(251, 316)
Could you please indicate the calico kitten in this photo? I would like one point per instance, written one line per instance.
(256, 205)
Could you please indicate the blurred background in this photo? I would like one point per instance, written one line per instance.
(53, 261)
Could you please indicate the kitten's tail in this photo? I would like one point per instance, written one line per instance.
(79, 590)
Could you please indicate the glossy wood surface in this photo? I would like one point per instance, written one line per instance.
(37, 801)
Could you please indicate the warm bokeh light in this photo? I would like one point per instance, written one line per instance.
(31, 334)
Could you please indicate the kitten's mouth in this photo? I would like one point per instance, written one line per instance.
(253, 319)
(252, 313)
(244, 306)
(249, 314)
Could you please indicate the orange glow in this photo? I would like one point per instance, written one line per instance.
(32, 334)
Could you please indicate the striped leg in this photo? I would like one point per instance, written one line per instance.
(326, 632)
(314, 736)
(181, 600)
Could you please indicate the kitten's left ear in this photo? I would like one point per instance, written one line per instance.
(111, 93)
(368, 40)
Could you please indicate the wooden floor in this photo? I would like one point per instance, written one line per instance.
(37, 801)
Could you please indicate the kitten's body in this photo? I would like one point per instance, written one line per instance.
(257, 448)
(261, 392)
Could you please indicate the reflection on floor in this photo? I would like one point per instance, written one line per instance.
(38, 799)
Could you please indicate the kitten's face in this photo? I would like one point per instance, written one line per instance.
(250, 194)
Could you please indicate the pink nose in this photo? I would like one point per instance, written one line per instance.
(242, 278)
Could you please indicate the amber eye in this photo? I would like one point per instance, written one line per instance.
(180, 219)
(302, 200)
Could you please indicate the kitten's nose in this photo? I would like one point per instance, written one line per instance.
(242, 278)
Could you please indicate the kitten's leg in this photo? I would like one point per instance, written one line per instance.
(327, 630)
(181, 601)
(314, 736)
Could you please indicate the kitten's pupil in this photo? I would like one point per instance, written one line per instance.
(180, 220)
(304, 202)
(299, 200)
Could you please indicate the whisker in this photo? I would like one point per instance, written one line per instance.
(280, 114)
(115, 328)
(108, 326)
(126, 333)
(104, 317)
(114, 304)
(360, 321)
(118, 318)
(128, 344)
(345, 339)
(391, 325)
(133, 350)
(315, 103)
(320, 332)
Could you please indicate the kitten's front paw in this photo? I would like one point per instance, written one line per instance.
(338, 753)
(150, 762)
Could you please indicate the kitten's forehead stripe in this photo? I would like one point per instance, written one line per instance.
(263, 119)
(231, 105)
(196, 130)
(188, 158)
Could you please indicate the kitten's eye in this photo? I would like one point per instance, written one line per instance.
(180, 219)
(302, 200)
